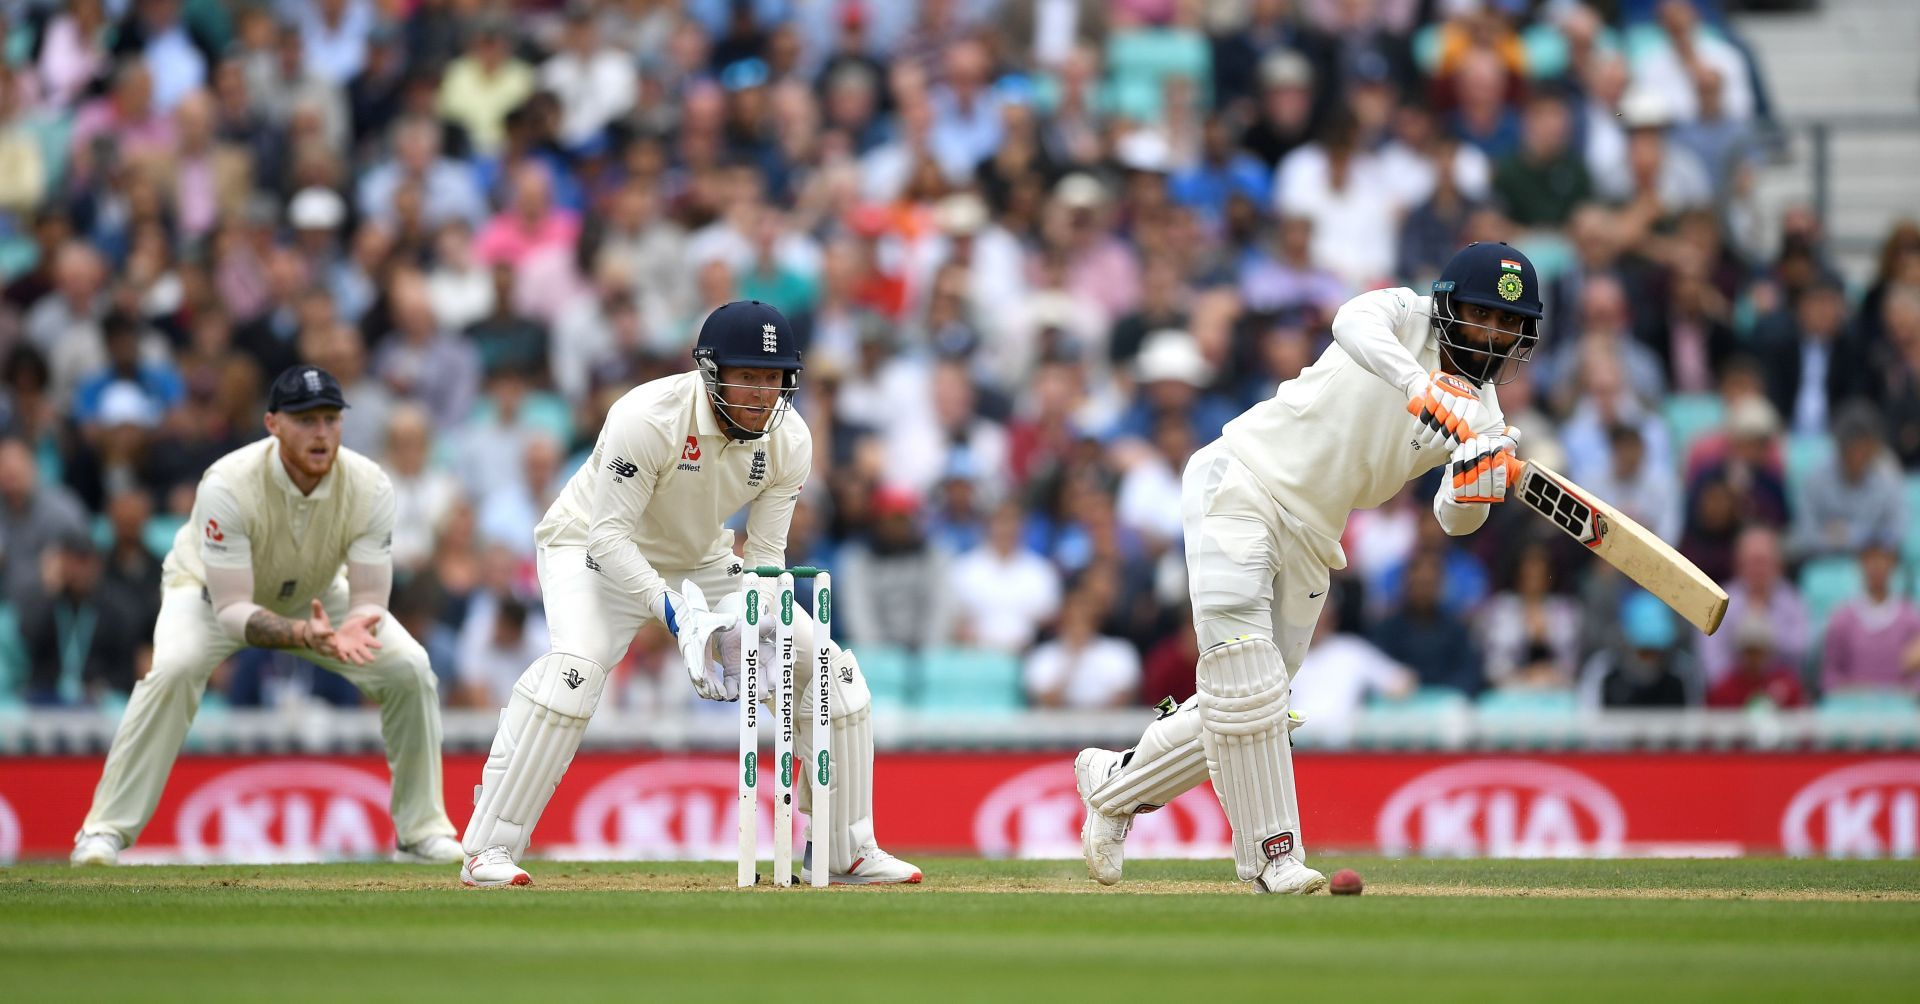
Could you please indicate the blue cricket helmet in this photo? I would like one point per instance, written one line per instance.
(1498, 276)
(747, 333)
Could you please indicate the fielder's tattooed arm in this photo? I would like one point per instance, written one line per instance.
(266, 629)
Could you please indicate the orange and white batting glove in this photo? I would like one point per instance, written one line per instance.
(1479, 469)
(1447, 410)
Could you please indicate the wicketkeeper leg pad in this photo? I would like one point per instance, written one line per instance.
(539, 732)
(1166, 763)
(851, 752)
(1243, 688)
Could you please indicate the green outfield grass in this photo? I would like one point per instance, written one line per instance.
(1740, 930)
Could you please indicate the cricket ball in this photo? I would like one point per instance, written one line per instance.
(1346, 882)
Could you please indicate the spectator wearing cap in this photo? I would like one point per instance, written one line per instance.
(1542, 182)
(1079, 667)
(1759, 593)
(1286, 118)
(1757, 672)
(1750, 466)
(994, 260)
(448, 187)
(1100, 269)
(85, 632)
(1810, 358)
(1646, 667)
(1171, 380)
(483, 85)
(595, 83)
(1163, 306)
(154, 379)
(33, 514)
(1659, 178)
(893, 594)
(1003, 593)
(1873, 640)
(1853, 497)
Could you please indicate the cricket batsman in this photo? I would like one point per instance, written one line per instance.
(289, 546)
(674, 460)
(1407, 385)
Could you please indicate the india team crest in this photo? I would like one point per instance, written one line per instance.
(1509, 287)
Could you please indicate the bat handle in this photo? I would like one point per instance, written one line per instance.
(1514, 467)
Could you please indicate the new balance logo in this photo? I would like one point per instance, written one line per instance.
(574, 679)
(622, 468)
(592, 565)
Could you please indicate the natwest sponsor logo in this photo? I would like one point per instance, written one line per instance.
(9, 834)
(287, 810)
(663, 810)
(1868, 810)
(1502, 808)
(1037, 813)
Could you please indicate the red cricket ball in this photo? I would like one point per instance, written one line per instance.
(1346, 882)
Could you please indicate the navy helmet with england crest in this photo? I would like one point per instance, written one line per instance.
(748, 333)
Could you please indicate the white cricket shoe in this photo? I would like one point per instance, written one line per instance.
(96, 849)
(1103, 837)
(493, 867)
(1287, 876)
(435, 850)
(872, 866)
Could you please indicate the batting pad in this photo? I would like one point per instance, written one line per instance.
(539, 732)
(1243, 714)
(1166, 764)
(851, 750)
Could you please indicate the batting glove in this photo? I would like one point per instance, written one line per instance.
(1447, 411)
(1479, 468)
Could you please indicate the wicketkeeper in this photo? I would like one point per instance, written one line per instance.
(639, 535)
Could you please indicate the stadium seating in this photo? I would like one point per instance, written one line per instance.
(1825, 583)
(1690, 416)
(890, 676)
(970, 680)
(1874, 719)
(1421, 719)
(1805, 455)
(1528, 718)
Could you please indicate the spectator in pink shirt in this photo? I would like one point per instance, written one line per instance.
(1871, 639)
(530, 223)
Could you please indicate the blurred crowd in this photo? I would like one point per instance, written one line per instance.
(1038, 251)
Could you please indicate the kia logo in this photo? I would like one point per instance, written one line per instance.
(1037, 813)
(666, 810)
(1868, 810)
(1502, 808)
(286, 811)
(9, 834)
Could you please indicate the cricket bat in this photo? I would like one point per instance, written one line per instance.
(1620, 542)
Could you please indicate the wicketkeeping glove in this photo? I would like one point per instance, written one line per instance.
(709, 642)
(1447, 411)
(1479, 468)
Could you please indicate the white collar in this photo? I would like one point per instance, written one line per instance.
(278, 472)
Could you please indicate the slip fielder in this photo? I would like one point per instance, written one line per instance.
(675, 459)
(289, 546)
(1262, 510)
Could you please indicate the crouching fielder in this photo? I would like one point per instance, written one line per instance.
(290, 546)
(675, 459)
(1406, 386)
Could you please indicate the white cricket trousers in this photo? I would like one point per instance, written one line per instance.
(188, 643)
(1251, 567)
